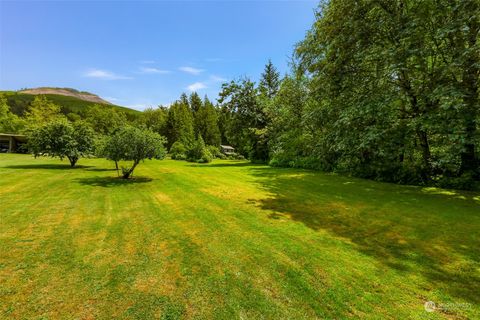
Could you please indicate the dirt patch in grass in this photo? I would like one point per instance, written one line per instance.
(163, 198)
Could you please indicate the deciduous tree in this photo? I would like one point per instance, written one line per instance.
(135, 145)
(62, 139)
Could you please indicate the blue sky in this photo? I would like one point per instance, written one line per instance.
(147, 53)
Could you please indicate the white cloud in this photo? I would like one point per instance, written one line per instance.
(139, 106)
(112, 99)
(197, 86)
(153, 70)
(191, 70)
(104, 74)
(215, 78)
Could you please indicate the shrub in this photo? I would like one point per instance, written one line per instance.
(282, 160)
(238, 157)
(215, 152)
(234, 156)
(465, 182)
(198, 152)
(206, 157)
(178, 151)
(221, 156)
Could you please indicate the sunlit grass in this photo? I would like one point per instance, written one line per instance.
(230, 240)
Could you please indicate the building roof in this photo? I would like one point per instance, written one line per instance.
(227, 147)
(19, 137)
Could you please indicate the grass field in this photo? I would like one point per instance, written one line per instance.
(230, 240)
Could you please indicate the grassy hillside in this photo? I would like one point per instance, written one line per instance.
(18, 102)
(230, 240)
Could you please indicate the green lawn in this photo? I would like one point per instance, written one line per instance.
(230, 240)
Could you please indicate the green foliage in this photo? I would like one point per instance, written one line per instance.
(246, 113)
(59, 138)
(178, 151)
(19, 103)
(42, 111)
(244, 117)
(105, 120)
(9, 122)
(215, 152)
(155, 120)
(384, 90)
(206, 123)
(269, 81)
(464, 182)
(134, 144)
(180, 123)
(100, 146)
(198, 152)
(195, 102)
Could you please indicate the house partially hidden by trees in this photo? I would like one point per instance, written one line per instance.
(228, 150)
(12, 142)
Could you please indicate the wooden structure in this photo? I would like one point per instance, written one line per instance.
(227, 150)
(12, 142)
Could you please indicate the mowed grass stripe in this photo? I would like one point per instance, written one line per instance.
(229, 240)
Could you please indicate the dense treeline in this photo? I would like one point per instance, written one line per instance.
(392, 89)
(190, 123)
(385, 90)
(380, 89)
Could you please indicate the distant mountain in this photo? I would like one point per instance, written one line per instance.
(70, 100)
(82, 95)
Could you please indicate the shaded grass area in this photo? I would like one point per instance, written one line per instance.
(411, 229)
(230, 240)
(111, 181)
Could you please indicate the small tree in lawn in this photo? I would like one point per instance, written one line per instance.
(199, 152)
(62, 139)
(102, 144)
(134, 144)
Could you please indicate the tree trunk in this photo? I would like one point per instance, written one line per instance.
(73, 161)
(421, 134)
(116, 167)
(425, 147)
(469, 162)
(127, 174)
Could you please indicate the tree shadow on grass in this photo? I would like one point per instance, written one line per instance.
(47, 166)
(224, 165)
(403, 227)
(101, 169)
(109, 182)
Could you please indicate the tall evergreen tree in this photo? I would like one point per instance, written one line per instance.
(195, 102)
(206, 122)
(184, 99)
(180, 124)
(269, 81)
